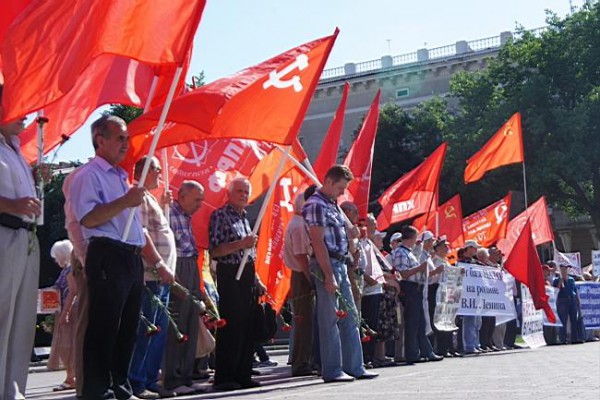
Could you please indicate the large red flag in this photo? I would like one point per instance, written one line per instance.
(327, 157)
(360, 159)
(413, 193)
(10, 11)
(265, 102)
(524, 264)
(504, 148)
(448, 217)
(269, 249)
(50, 45)
(488, 225)
(112, 80)
(541, 228)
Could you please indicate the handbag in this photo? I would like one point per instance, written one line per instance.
(206, 341)
(264, 322)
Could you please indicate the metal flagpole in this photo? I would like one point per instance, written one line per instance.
(41, 120)
(525, 188)
(159, 128)
(262, 211)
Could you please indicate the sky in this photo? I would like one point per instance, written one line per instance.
(235, 34)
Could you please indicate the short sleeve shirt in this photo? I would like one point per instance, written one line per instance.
(228, 225)
(16, 176)
(403, 259)
(323, 212)
(296, 242)
(181, 225)
(159, 231)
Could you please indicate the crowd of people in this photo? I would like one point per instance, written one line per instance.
(132, 304)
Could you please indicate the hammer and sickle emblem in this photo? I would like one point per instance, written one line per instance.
(275, 77)
(500, 212)
(450, 212)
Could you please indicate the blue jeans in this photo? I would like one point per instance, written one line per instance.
(470, 329)
(339, 338)
(149, 350)
(567, 310)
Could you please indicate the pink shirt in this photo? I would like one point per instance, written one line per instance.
(296, 242)
(72, 225)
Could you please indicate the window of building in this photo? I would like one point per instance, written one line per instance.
(404, 92)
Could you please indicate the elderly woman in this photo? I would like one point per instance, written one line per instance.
(567, 304)
(63, 335)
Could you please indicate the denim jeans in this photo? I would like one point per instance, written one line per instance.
(470, 329)
(149, 350)
(567, 311)
(339, 338)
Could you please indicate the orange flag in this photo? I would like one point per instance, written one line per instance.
(113, 80)
(265, 102)
(413, 193)
(541, 228)
(488, 225)
(449, 219)
(360, 159)
(524, 264)
(504, 148)
(327, 157)
(269, 249)
(48, 47)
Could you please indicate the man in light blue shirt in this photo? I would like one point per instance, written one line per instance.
(101, 199)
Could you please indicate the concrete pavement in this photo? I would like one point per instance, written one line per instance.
(550, 372)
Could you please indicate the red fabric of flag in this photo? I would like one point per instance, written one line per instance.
(449, 219)
(10, 11)
(413, 193)
(488, 226)
(48, 47)
(524, 264)
(541, 228)
(265, 102)
(360, 160)
(327, 157)
(269, 249)
(112, 80)
(504, 148)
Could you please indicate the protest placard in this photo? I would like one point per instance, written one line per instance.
(48, 300)
(484, 292)
(448, 299)
(596, 262)
(552, 292)
(589, 294)
(532, 328)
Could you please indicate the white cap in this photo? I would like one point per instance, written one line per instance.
(472, 243)
(426, 235)
(396, 236)
(380, 234)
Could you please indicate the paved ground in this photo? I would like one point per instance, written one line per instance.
(553, 372)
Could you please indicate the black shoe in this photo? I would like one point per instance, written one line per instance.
(249, 384)
(434, 357)
(255, 372)
(305, 372)
(368, 375)
(226, 386)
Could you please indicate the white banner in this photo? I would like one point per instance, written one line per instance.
(552, 292)
(573, 259)
(509, 282)
(448, 299)
(484, 292)
(596, 262)
(532, 330)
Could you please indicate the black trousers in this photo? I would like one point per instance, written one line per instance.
(235, 342)
(488, 324)
(416, 343)
(115, 278)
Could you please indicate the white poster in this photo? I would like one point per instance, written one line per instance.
(532, 330)
(573, 259)
(552, 292)
(484, 292)
(596, 262)
(509, 282)
(448, 299)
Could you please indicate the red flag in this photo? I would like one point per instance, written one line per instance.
(504, 148)
(541, 228)
(10, 11)
(113, 80)
(449, 219)
(488, 225)
(360, 159)
(265, 102)
(412, 194)
(48, 47)
(327, 157)
(524, 264)
(269, 249)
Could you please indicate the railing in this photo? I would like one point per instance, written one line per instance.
(426, 55)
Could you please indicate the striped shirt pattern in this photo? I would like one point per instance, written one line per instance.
(181, 225)
(403, 259)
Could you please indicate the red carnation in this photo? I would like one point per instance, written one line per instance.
(221, 323)
(341, 314)
(365, 339)
(152, 330)
(286, 327)
(182, 338)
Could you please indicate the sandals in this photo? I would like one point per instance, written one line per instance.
(63, 386)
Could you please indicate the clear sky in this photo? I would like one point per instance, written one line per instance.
(235, 34)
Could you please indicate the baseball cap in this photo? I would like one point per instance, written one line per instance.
(396, 236)
(426, 235)
(472, 243)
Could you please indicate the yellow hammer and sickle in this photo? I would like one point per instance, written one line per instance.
(450, 212)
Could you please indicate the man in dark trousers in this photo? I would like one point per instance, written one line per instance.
(230, 235)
